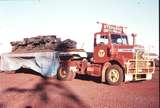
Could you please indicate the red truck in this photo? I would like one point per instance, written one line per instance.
(113, 59)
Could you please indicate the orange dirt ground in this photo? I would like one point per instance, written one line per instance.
(23, 90)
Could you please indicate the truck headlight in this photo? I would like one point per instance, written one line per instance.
(148, 64)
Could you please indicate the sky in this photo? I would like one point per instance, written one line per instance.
(76, 19)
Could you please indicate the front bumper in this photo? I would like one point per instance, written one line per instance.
(139, 70)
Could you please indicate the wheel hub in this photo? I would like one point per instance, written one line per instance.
(114, 75)
(63, 73)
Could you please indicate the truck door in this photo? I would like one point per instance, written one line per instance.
(101, 49)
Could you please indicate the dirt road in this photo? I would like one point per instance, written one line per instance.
(31, 91)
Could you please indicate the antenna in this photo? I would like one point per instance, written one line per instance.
(82, 45)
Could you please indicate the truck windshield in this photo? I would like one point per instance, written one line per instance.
(119, 39)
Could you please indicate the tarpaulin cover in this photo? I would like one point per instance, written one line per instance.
(45, 63)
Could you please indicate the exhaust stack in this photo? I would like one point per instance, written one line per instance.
(134, 38)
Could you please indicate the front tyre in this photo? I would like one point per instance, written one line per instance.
(64, 74)
(114, 75)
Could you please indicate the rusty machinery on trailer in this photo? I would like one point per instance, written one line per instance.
(113, 59)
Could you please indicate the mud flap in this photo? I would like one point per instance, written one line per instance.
(149, 76)
(105, 66)
(128, 77)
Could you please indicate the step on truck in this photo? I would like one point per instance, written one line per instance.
(112, 59)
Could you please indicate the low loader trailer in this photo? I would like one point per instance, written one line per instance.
(44, 63)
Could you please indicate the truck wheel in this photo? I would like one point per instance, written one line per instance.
(114, 75)
(64, 74)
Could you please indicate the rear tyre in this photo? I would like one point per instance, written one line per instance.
(114, 75)
(64, 74)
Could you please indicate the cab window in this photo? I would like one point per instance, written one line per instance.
(100, 39)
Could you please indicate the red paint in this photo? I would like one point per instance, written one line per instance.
(108, 48)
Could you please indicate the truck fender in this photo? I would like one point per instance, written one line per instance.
(104, 68)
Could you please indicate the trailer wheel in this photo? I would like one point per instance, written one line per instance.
(64, 74)
(114, 75)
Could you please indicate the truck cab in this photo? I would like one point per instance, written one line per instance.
(111, 43)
